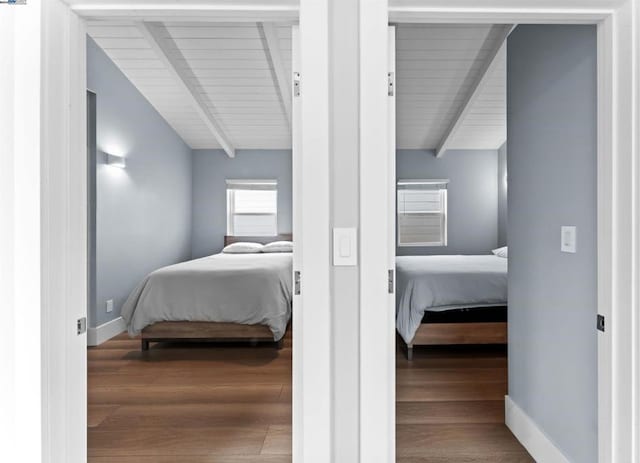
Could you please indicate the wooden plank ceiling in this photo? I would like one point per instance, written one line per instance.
(231, 70)
(437, 67)
(227, 65)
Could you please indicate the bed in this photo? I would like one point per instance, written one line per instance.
(451, 300)
(223, 297)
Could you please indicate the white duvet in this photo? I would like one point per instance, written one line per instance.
(439, 283)
(234, 288)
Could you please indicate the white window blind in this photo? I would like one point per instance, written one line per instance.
(422, 212)
(252, 207)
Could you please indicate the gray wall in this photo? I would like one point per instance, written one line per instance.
(502, 195)
(551, 94)
(472, 197)
(150, 198)
(211, 169)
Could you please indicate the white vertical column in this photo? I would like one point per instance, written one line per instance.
(20, 248)
(377, 316)
(345, 204)
(314, 376)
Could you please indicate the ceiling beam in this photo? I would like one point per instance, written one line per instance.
(502, 32)
(272, 50)
(153, 34)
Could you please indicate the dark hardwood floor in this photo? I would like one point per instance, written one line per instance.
(191, 403)
(450, 406)
(203, 403)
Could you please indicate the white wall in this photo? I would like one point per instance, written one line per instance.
(20, 218)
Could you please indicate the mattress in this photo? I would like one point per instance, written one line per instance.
(232, 288)
(440, 283)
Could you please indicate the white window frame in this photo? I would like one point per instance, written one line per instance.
(618, 203)
(443, 212)
(251, 184)
(48, 219)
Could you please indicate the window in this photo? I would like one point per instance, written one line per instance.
(252, 207)
(422, 212)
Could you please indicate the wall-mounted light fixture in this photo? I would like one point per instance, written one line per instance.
(116, 161)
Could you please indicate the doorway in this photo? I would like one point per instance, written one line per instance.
(69, 35)
(521, 72)
(384, 173)
(191, 137)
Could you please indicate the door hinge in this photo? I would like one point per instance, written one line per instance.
(81, 325)
(296, 84)
(600, 323)
(391, 83)
(296, 282)
(391, 282)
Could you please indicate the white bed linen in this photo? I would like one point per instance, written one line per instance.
(233, 288)
(439, 283)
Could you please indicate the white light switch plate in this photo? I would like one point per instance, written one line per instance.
(345, 247)
(110, 305)
(568, 239)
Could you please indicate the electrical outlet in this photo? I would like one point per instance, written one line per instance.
(110, 305)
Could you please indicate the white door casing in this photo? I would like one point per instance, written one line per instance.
(298, 313)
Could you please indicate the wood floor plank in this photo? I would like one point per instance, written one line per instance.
(160, 395)
(277, 441)
(444, 392)
(226, 376)
(198, 415)
(214, 440)
(450, 440)
(96, 414)
(193, 459)
(469, 458)
(428, 376)
(486, 411)
(105, 380)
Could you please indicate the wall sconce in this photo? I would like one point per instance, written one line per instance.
(116, 161)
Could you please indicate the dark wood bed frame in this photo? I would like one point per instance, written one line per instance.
(460, 331)
(213, 331)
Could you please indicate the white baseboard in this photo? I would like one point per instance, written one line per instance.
(104, 332)
(541, 448)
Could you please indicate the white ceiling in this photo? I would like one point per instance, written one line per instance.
(233, 73)
(229, 68)
(437, 67)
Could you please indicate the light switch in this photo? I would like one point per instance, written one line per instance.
(110, 305)
(568, 239)
(345, 247)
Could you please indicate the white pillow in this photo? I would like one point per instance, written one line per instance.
(501, 252)
(243, 248)
(278, 246)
